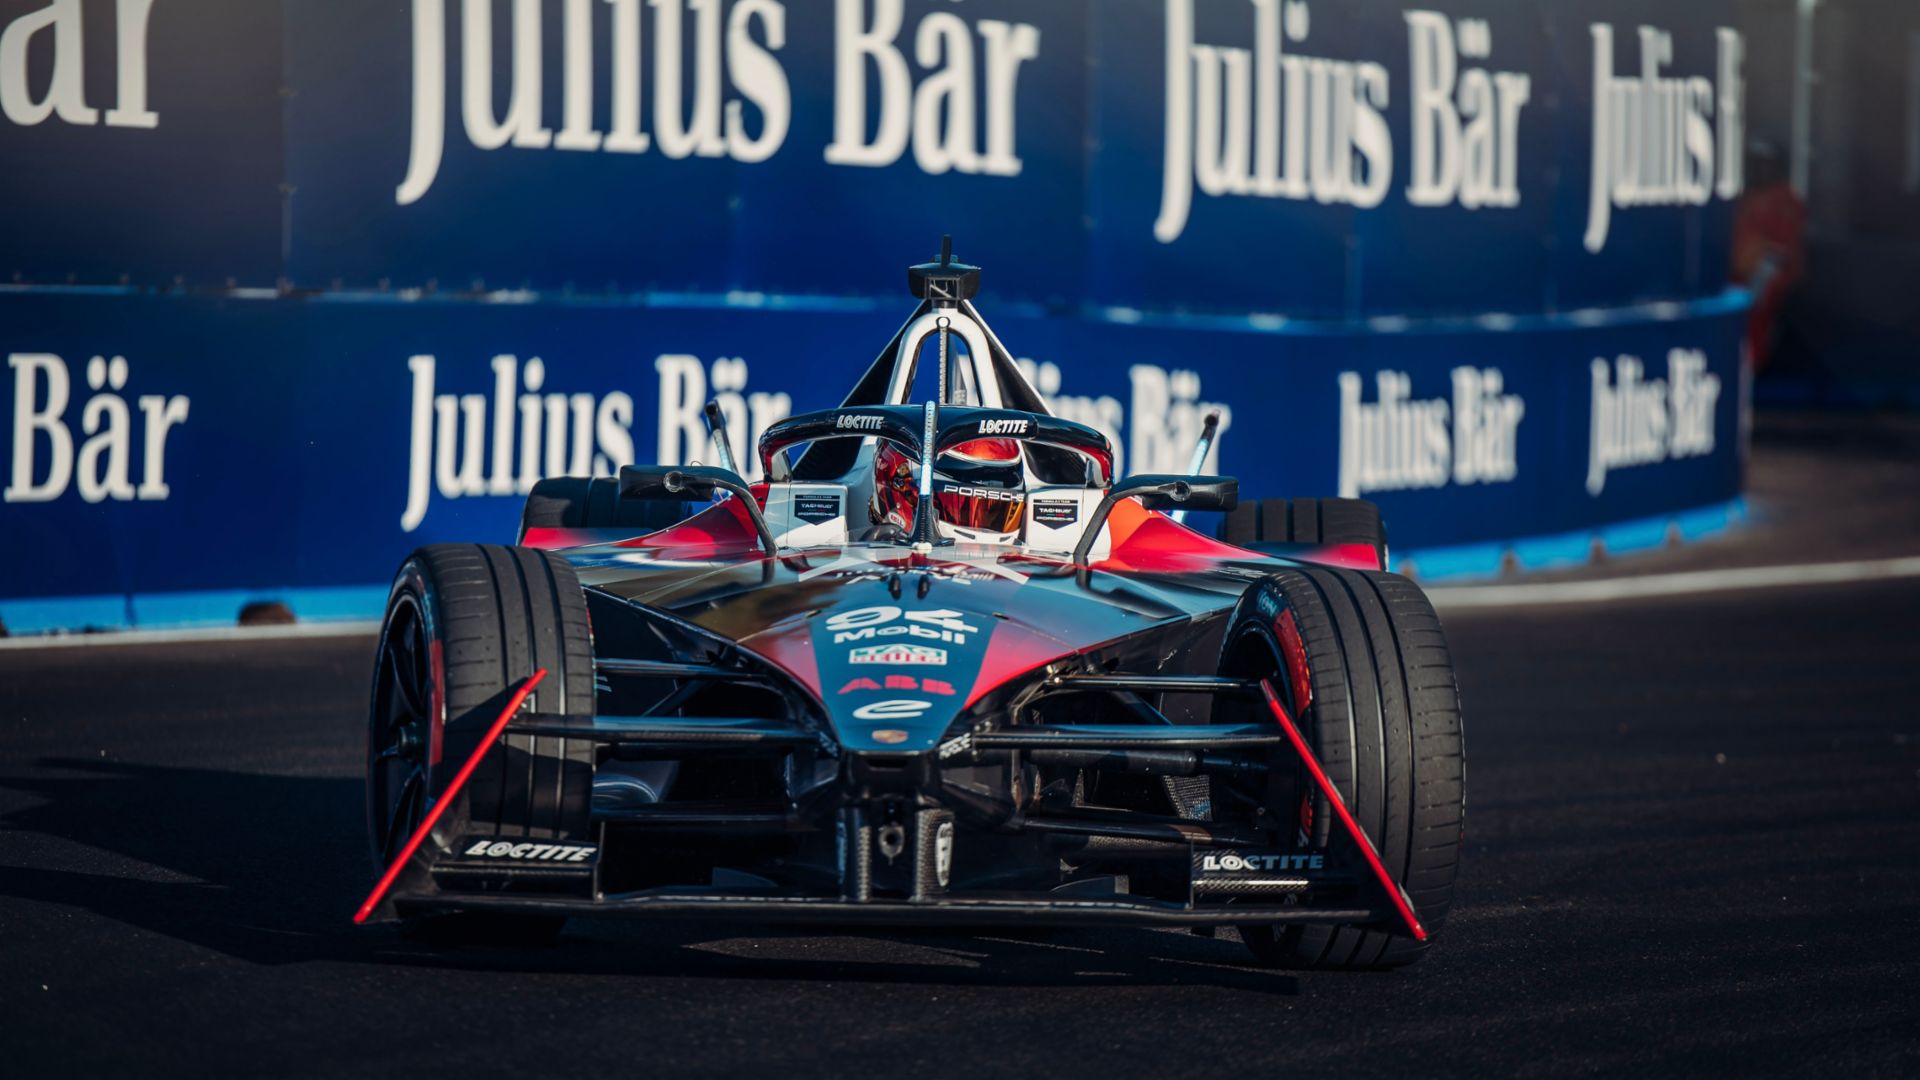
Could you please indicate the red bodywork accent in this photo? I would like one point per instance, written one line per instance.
(1298, 671)
(1392, 887)
(445, 800)
(721, 529)
(1142, 539)
(556, 539)
(1013, 650)
(1355, 556)
(436, 700)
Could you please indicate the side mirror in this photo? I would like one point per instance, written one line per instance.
(680, 483)
(1160, 491)
(693, 483)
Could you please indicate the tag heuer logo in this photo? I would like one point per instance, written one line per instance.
(1056, 513)
(899, 655)
(815, 509)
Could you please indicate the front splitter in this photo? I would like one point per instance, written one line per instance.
(971, 911)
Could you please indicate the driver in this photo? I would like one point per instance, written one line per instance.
(979, 490)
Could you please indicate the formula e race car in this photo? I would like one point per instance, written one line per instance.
(940, 666)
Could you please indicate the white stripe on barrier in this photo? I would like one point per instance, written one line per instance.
(353, 628)
(1460, 597)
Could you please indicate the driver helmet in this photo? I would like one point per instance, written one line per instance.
(979, 490)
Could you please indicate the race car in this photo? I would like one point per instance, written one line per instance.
(940, 666)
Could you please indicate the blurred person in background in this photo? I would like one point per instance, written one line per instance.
(1769, 245)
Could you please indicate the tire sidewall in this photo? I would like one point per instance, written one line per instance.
(414, 584)
(1357, 714)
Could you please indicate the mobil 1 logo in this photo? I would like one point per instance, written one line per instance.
(885, 622)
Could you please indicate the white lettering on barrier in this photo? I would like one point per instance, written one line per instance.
(533, 435)
(102, 469)
(1166, 420)
(1398, 442)
(954, 120)
(939, 116)
(743, 50)
(1466, 122)
(1486, 427)
(1264, 121)
(1261, 120)
(1268, 122)
(1654, 139)
(1166, 416)
(1641, 421)
(1395, 442)
(684, 392)
(466, 445)
(65, 94)
(1163, 427)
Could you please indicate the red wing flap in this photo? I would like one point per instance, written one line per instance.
(1393, 890)
(445, 800)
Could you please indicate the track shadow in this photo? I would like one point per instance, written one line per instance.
(267, 869)
(250, 865)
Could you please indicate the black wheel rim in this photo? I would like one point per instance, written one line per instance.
(1291, 803)
(399, 728)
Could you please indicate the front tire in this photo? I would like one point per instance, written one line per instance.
(465, 624)
(1360, 659)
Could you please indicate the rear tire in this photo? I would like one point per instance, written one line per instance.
(465, 625)
(579, 502)
(1319, 522)
(1382, 713)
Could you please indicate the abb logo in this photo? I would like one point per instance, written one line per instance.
(900, 682)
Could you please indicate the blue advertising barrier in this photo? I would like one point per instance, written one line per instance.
(1421, 142)
(288, 287)
(140, 141)
(195, 447)
(1315, 160)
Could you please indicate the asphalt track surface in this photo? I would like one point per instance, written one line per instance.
(1694, 846)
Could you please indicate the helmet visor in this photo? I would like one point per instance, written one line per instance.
(983, 508)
